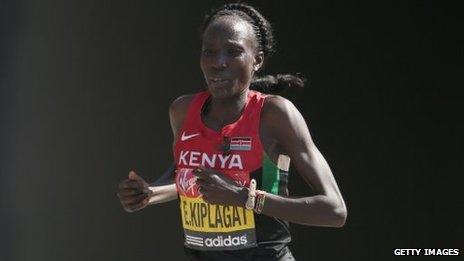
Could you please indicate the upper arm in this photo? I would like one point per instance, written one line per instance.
(177, 113)
(289, 129)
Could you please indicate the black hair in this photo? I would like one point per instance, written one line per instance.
(266, 43)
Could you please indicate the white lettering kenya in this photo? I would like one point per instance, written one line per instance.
(195, 159)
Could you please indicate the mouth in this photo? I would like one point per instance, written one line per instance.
(218, 80)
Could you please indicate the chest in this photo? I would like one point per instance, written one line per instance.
(232, 150)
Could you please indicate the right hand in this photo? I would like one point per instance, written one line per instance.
(133, 193)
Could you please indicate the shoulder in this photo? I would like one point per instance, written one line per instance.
(283, 122)
(277, 108)
(180, 104)
(178, 111)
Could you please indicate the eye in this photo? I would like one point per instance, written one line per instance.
(234, 52)
(207, 52)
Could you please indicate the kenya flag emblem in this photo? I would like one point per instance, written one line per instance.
(240, 143)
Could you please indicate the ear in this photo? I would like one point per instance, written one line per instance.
(258, 61)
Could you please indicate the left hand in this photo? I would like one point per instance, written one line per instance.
(217, 188)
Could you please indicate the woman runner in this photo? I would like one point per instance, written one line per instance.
(233, 144)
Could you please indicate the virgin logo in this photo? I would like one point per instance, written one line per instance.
(186, 182)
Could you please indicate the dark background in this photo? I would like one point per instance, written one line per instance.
(85, 90)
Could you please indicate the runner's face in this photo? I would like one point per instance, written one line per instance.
(228, 56)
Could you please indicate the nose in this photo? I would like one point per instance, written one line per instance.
(220, 61)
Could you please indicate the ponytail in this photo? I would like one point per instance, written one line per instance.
(277, 84)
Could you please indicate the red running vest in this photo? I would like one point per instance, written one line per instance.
(235, 151)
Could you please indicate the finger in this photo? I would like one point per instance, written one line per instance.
(206, 189)
(137, 206)
(130, 184)
(123, 184)
(134, 199)
(201, 182)
(206, 185)
(202, 173)
(202, 168)
(134, 176)
(205, 198)
(205, 170)
(128, 192)
(208, 174)
(203, 189)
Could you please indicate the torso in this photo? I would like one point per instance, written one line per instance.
(259, 160)
(269, 143)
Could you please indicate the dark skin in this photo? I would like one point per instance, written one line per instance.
(230, 56)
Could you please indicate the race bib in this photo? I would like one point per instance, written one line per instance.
(210, 226)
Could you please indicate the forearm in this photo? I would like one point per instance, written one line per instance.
(316, 210)
(160, 194)
(163, 189)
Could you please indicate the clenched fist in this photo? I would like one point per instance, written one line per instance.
(134, 193)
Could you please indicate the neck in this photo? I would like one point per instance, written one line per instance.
(227, 110)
